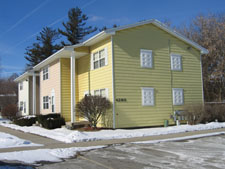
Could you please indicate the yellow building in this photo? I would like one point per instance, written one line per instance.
(146, 70)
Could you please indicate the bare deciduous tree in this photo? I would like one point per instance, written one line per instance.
(93, 108)
(209, 32)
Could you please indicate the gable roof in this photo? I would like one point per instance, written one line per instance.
(162, 26)
(66, 50)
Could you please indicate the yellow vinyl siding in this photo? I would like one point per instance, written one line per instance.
(98, 78)
(65, 88)
(130, 77)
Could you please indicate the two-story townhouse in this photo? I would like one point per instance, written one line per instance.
(147, 71)
(27, 104)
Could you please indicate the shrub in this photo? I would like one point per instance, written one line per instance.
(10, 111)
(51, 121)
(25, 121)
(204, 113)
(92, 108)
(42, 118)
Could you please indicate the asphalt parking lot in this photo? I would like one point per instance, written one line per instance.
(204, 153)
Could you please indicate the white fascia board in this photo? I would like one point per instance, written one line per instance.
(48, 60)
(94, 39)
(180, 36)
(23, 76)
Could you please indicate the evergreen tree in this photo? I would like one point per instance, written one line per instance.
(43, 48)
(75, 27)
(105, 28)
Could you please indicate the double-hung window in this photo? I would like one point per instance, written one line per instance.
(45, 73)
(99, 59)
(146, 58)
(21, 106)
(101, 92)
(45, 102)
(178, 96)
(148, 96)
(176, 62)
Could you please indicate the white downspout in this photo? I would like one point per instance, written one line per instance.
(34, 93)
(113, 86)
(72, 86)
(203, 101)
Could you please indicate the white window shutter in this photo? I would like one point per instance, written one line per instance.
(106, 56)
(107, 93)
(92, 61)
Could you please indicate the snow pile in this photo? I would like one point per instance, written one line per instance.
(180, 138)
(51, 155)
(70, 136)
(9, 141)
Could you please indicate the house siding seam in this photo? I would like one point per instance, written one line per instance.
(130, 77)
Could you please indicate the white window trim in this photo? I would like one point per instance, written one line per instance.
(171, 62)
(47, 67)
(106, 91)
(142, 92)
(141, 59)
(178, 89)
(92, 58)
(45, 102)
(21, 85)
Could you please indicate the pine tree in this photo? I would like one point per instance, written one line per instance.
(75, 27)
(105, 28)
(43, 48)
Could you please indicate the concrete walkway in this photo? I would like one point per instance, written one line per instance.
(52, 144)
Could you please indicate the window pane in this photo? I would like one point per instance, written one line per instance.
(96, 92)
(102, 93)
(96, 65)
(95, 58)
(102, 62)
(101, 54)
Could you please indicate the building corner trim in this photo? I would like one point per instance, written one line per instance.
(113, 85)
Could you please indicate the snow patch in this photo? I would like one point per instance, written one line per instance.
(70, 136)
(9, 141)
(50, 155)
(180, 138)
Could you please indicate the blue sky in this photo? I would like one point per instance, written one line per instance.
(21, 21)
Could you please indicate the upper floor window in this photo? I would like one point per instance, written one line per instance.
(178, 96)
(148, 96)
(45, 102)
(146, 58)
(21, 85)
(99, 59)
(45, 73)
(176, 62)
